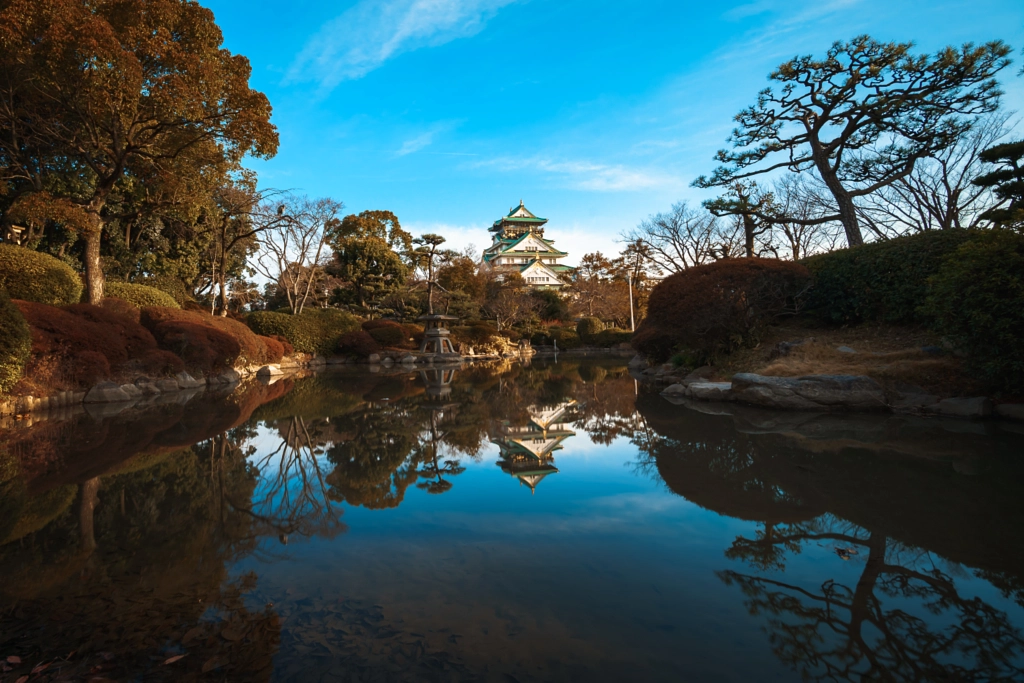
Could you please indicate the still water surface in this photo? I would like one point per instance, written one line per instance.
(549, 522)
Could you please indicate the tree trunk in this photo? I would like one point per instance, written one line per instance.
(847, 211)
(223, 286)
(93, 266)
(88, 499)
(749, 227)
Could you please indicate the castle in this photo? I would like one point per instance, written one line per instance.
(518, 245)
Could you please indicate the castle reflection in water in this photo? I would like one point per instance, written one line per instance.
(527, 452)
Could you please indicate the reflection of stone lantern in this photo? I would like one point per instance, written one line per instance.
(436, 334)
(438, 382)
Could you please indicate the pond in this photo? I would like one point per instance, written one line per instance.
(551, 521)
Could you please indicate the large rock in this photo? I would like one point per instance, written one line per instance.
(167, 384)
(811, 392)
(269, 371)
(373, 358)
(711, 391)
(964, 407)
(1011, 411)
(676, 390)
(147, 386)
(131, 390)
(106, 392)
(186, 381)
(638, 362)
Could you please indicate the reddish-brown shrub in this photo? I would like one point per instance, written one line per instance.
(205, 342)
(389, 333)
(415, 333)
(286, 346)
(358, 343)
(713, 309)
(275, 349)
(78, 345)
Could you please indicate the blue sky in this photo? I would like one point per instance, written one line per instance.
(595, 113)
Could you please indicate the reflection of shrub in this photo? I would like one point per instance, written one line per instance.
(588, 327)
(358, 343)
(34, 276)
(885, 281)
(15, 343)
(715, 308)
(977, 302)
(314, 331)
(208, 343)
(139, 296)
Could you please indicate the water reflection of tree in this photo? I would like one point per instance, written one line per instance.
(905, 618)
(864, 631)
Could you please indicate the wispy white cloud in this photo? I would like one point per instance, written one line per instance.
(416, 144)
(374, 31)
(588, 175)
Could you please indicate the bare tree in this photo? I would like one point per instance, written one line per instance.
(293, 251)
(801, 198)
(939, 194)
(682, 238)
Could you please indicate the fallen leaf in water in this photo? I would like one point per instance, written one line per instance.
(214, 663)
(14, 660)
(39, 668)
(22, 679)
(172, 660)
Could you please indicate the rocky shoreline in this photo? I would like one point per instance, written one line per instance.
(820, 393)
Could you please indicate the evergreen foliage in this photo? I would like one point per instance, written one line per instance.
(314, 331)
(34, 276)
(15, 343)
(140, 296)
(588, 327)
(977, 303)
(882, 281)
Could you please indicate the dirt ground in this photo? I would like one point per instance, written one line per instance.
(891, 354)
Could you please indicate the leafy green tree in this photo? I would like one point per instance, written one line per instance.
(1006, 182)
(382, 225)
(370, 269)
(105, 91)
(861, 118)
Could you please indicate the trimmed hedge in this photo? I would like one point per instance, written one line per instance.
(34, 276)
(206, 342)
(15, 343)
(718, 307)
(357, 343)
(587, 328)
(169, 285)
(315, 331)
(139, 296)
(977, 302)
(611, 337)
(882, 281)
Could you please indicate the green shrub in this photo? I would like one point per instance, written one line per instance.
(587, 328)
(34, 276)
(566, 339)
(169, 285)
(976, 301)
(475, 334)
(716, 308)
(882, 281)
(314, 331)
(139, 296)
(15, 343)
(611, 337)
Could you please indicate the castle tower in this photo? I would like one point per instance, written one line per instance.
(518, 245)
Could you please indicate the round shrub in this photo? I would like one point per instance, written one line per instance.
(612, 336)
(171, 286)
(357, 343)
(389, 336)
(315, 331)
(286, 346)
(206, 342)
(713, 309)
(565, 339)
(588, 327)
(34, 276)
(15, 343)
(474, 335)
(139, 296)
(883, 281)
(976, 301)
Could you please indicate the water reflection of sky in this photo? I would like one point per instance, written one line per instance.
(661, 543)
